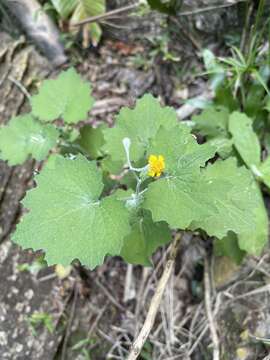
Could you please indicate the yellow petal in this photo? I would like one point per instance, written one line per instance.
(161, 159)
(152, 159)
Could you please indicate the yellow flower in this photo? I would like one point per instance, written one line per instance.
(156, 165)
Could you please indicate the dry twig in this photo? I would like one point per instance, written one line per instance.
(209, 8)
(107, 15)
(155, 302)
(99, 316)
(109, 295)
(70, 321)
(129, 291)
(208, 308)
(139, 295)
(20, 86)
(112, 13)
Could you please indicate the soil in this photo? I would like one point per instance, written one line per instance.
(95, 315)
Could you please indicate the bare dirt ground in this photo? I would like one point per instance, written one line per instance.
(95, 315)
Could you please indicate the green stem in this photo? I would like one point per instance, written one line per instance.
(254, 31)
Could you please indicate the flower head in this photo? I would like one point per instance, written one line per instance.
(156, 165)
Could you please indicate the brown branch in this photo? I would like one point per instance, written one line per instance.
(112, 13)
(155, 302)
(20, 86)
(107, 15)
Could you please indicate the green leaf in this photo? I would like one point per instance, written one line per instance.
(181, 151)
(144, 239)
(254, 100)
(88, 8)
(218, 199)
(212, 122)
(140, 125)
(238, 206)
(179, 197)
(168, 7)
(264, 171)
(228, 246)
(224, 146)
(67, 219)
(24, 137)
(254, 241)
(93, 8)
(244, 138)
(224, 97)
(210, 60)
(215, 70)
(95, 31)
(267, 106)
(260, 80)
(67, 97)
(112, 167)
(64, 7)
(92, 139)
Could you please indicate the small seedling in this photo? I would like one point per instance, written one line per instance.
(38, 319)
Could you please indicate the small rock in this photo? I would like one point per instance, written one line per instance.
(3, 338)
(29, 294)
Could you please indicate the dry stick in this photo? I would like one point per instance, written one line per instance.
(139, 296)
(112, 13)
(209, 8)
(70, 321)
(95, 323)
(110, 296)
(208, 307)
(205, 329)
(20, 86)
(128, 293)
(106, 15)
(155, 302)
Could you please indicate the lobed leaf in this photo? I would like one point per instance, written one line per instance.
(67, 97)
(228, 246)
(92, 139)
(224, 146)
(218, 199)
(24, 137)
(66, 217)
(140, 125)
(212, 122)
(179, 197)
(238, 208)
